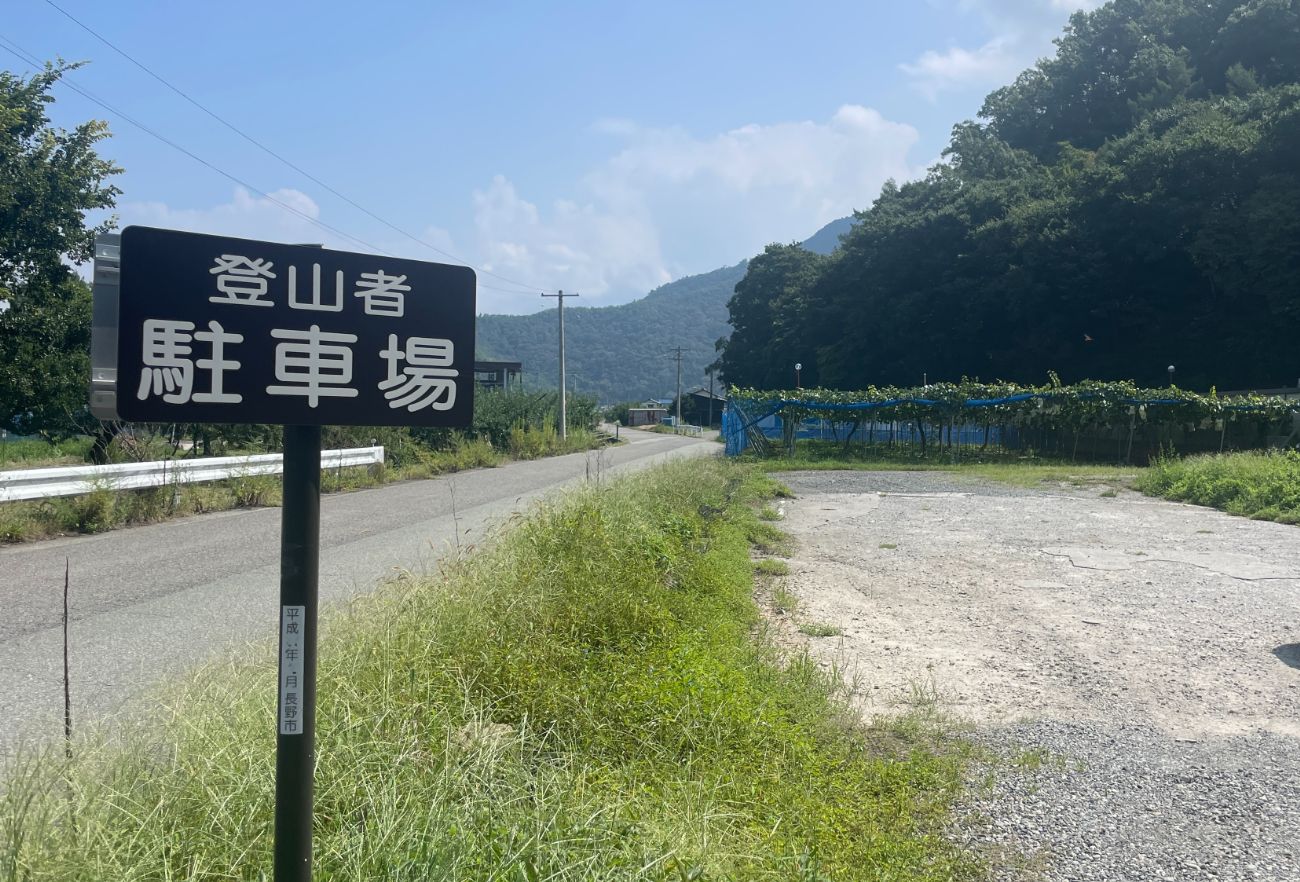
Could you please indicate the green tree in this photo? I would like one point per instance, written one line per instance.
(49, 179)
(1131, 202)
(768, 315)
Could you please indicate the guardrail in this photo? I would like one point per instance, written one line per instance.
(73, 480)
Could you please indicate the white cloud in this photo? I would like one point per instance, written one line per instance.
(245, 215)
(670, 203)
(584, 248)
(934, 72)
(248, 216)
(1022, 32)
(664, 203)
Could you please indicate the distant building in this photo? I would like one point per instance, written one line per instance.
(499, 374)
(646, 416)
(696, 407)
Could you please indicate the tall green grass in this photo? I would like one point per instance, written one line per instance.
(1262, 485)
(31, 453)
(1009, 467)
(586, 698)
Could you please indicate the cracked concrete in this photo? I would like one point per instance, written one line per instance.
(1010, 603)
(1135, 664)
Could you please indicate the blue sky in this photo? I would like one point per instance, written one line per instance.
(599, 148)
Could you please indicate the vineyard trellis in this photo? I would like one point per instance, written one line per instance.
(1053, 410)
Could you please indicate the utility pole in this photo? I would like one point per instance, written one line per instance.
(678, 350)
(564, 410)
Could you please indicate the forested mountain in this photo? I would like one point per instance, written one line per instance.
(827, 239)
(620, 353)
(1130, 203)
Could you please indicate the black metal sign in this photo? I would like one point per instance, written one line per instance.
(207, 329)
(211, 329)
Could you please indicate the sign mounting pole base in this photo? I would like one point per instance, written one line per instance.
(295, 747)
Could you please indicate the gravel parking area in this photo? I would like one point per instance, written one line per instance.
(1133, 665)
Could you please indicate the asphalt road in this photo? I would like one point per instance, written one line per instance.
(147, 602)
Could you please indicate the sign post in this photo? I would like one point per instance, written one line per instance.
(205, 329)
(295, 746)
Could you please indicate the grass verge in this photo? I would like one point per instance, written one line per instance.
(1262, 485)
(108, 509)
(582, 699)
(1010, 468)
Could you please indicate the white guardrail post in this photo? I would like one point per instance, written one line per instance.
(73, 480)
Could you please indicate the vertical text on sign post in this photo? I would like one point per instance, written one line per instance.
(292, 624)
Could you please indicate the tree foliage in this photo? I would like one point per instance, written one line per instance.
(1130, 203)
(1091, 403)
(49, 179)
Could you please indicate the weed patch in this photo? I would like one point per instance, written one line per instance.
(820, 629)
(784, 601)
(582, 699)
(771, 567)
(768, 539)
(1259, 485)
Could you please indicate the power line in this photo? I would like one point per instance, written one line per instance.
(17, 51)
(496, 288)
(256, 143)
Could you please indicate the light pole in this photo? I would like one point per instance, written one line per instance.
(1171, 375)
(797, 368)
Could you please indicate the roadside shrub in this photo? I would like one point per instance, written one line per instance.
(92, 512)
(499, 414)
(16, 523)
(527, 442)
(205, 498)
(254, 491)
(473, 453)
(147, 506)
(1261, 485)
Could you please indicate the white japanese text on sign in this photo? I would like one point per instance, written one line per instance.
(181, 364)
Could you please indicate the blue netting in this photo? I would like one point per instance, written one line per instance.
(759, 419)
